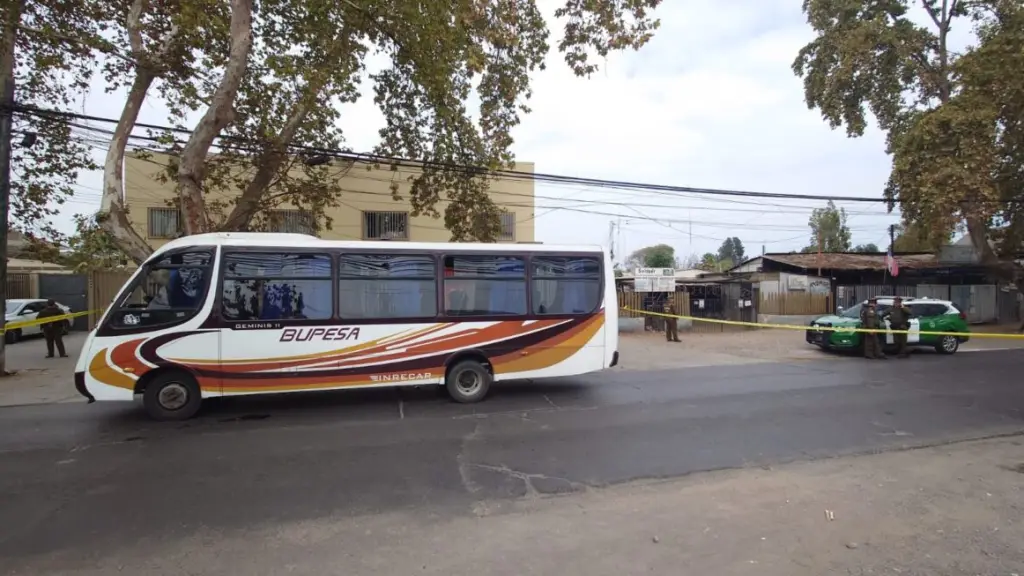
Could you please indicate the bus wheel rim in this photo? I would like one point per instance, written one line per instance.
(173, 396)
(468, 382)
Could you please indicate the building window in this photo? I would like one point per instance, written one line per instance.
(484, 286)
(290, 221)
(387, 286)
(265, 286)
(385, 225)
(164, 222)
(566, 284)
(508, 227)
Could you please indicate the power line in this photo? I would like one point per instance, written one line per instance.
(663, 220)
(791, 209)
(508, 174)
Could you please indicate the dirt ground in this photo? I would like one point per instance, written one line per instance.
(952, 510)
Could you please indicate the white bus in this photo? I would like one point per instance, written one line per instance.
(229, 314)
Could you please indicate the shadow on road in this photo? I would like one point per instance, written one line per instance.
(362, 405)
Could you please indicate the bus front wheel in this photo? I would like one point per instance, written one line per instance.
(172, 396)
(468, 382)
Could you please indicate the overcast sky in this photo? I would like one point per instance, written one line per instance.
(710, 102)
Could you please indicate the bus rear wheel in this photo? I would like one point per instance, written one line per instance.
(172, 396)
(468, 382)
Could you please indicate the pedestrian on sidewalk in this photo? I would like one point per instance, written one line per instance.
(671, 324)
(53, 331)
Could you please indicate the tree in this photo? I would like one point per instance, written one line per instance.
(828, 227)
(657, 256)
(732, 250)
(952, 119)
(92, 248)
(870, 247)
(708, 262)
(912, 239)
(267, 83)
(690, 262)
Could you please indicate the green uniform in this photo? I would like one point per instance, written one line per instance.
(899, 319)
(671, 325)
(53, 331)
(869, 320)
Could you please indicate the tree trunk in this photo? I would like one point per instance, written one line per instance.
(220, 113)
(112, 216)
(269, 163)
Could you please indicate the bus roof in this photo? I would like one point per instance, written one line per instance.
(304, 240)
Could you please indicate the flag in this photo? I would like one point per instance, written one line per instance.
(891, 264)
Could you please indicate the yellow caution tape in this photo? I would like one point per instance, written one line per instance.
(828, 328)
(39, 321)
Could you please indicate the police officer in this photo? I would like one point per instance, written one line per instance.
(671, 326)
(869, 320)
(899, 319)
(53, 331)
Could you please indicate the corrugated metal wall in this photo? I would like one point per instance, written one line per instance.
(937, 291)
(977, 301)
(1008, 305)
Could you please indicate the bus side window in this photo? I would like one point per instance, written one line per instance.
(566, 284)
(276, 286)
(167, 291)
(387, 286)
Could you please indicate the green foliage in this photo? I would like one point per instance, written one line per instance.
(829, 230)
(708, 262)
(48, 72)
(657, 256)
(913, 239)
(731, 250)
(89, 248)
(866, 248)
(308, 56)
(92, 248)
(953, 120)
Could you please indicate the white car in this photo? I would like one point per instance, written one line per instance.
(22, 309)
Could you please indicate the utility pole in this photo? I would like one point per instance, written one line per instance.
(892, 256)
(819, 253)
(6, 134)
(611, 240)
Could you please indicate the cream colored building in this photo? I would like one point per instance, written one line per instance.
(365, 211)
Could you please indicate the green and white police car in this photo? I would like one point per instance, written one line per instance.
(927, 315)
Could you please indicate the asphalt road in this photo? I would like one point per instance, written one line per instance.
(83, 481)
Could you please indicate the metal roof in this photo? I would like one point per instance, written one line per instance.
(854, 260)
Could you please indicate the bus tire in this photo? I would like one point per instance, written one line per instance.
(468, 382)
(172, 395)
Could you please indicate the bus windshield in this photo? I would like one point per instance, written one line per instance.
(165, 291)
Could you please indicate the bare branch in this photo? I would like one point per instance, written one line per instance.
(113, 217)
(270, 160)
(217, 117)
(133, 24)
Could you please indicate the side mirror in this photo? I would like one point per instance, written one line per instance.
(839, 309)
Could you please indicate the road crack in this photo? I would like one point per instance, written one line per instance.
(461, 459)
(528, 479)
